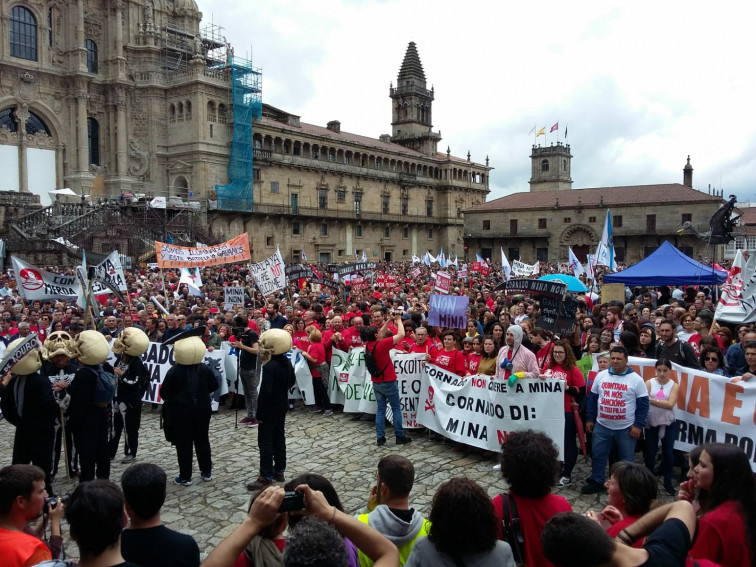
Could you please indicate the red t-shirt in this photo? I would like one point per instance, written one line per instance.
(722, 537)
(19, 548)
(534, 513)
(473, 361)
(382, 352)
(317, 351)
(695, 342)
(453, 361)
(615, 529)
(351, 338)
(426, 348)
(302, 339)
(573, 377)
(544, 354)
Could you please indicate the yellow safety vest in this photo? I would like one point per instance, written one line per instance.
(404, 550)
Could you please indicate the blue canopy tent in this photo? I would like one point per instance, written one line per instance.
(667, 266)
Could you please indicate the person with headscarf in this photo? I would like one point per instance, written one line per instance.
(514, 357)
(186, 389)
(277, 377)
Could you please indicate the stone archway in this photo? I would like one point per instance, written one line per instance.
(581, 238)
(181, 187)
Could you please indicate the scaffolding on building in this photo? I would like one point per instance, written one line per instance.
(246, 94)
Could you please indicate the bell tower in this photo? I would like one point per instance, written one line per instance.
(551, 168)
(411, 124)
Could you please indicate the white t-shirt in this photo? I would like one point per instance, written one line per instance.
(617, 395)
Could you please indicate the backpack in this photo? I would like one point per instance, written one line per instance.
(512, 529)
(106, 386)
(371, 365)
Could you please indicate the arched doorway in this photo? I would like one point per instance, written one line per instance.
(581, 239)
(181, 188)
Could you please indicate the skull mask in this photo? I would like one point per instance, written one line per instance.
(58, 342)
(131, 341)
(29, 364)
(91, 348)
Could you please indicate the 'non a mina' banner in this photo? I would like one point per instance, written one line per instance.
(234, 250)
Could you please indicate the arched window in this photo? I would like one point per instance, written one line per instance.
(545, 165)
(211, 113)
(188, 110)
(23, 34)
(222, 114)
(91, 48)
(172, 113)
(35, 124)
(8, 120)
(93, 130)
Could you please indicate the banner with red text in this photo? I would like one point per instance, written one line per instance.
(234, 250)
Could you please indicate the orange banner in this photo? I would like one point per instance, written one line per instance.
(234, 250)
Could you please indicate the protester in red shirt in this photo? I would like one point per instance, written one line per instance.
(316, 356)
(422, 343)
(301, 336)
(351, 337)
(385, 387)
(333, 336)
(449, 358)
(473, 359)
(541, 339)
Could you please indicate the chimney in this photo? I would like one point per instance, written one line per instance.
(688, 174)
(334, 126)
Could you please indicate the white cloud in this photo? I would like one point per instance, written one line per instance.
(641, 85)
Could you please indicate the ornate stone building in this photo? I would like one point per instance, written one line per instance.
(119, 97)
(544, 225)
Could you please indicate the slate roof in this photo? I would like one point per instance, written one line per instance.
(664, 193)
(411, 68)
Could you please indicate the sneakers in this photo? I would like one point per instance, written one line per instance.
(403, 440)
(182, 482)
(315, 409)
(128, 458)
(328, 412)
(260, 484)
(381, 441)
(253, 423)
(246, 420)
(279, 477)
(207, 476)
(592, 487)
(564, 481)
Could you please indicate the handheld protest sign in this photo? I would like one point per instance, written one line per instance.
(17, 352)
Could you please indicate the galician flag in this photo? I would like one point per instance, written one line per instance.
(191, 281)
(605, 251)
(364, 256)
(575, 265)
(304, 256)
(506, 269)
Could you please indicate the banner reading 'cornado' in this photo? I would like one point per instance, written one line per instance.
(234, 250)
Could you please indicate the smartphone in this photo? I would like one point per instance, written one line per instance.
(292, 501)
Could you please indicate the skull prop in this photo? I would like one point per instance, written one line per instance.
(189, 351)
(273, 342)
(131, 341)
(91, 348)
(28, 364)
(58, 342)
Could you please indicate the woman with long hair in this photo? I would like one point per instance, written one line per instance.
(487, 364)
(592, 347)
(473, 359)
(449, 357)
(661, 425)
(497, 333)
(561, 365)
(727, 525)
(463, 530)
(648, 342)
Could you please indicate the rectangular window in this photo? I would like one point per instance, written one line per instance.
(405, 253)
(650, 224)
(486, 225)
(541, 223)
(274, 187)
(648, 250)
(567, 220)
(542, 254)
(619, 253)
(341, 195)
(617, 221)
(405, 232)
(512, 227)
(386, 232)
(591, 219)
(429, 208)
(357, 203)
(687, 250)
(324, 229)
(687, 217)
(294, 203)
(513, 254)
(295, 228)
(269, 241)
(296, 256)
(256, 173)
(385, 204)
(430, 234)
(752, 243)
(341, 252)
(322, 198)
(405, 205)
(358, 231)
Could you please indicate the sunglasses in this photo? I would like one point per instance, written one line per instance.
(712, 358)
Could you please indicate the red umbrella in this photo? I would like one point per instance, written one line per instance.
(579, 426)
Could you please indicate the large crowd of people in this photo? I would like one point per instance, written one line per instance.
(54, 399)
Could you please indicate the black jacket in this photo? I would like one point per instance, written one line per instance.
(277, 378)
(134, 382)
(40, 408)
(187, 389)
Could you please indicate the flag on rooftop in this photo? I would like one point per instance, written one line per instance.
(554, 127)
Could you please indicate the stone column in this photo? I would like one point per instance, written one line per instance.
(80, 36)
(22, 115)
(82, 132)
(118, 8)
(59, 172)
(121, 151)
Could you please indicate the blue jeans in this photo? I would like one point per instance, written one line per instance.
(387, 392)
(603, 441)
(668, 450)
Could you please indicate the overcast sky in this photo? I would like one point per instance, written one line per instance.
(639, 85)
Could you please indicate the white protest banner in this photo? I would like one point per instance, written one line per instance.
(448, 311)
(111, 271)
(234, 250)
(233, 295)
(710, 408)
(482, 411)
(303, 387)
(34, 283)
(522, 269)
(270, 274)
(443, 282)
(415, 272)
(409, 373)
